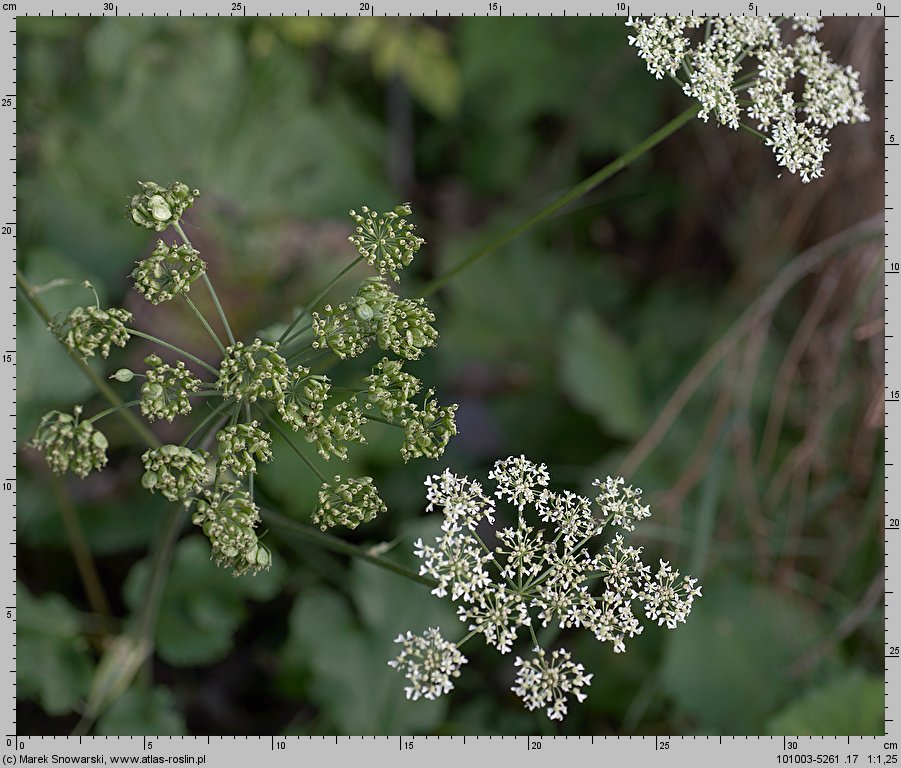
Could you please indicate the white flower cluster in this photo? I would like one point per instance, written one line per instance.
(430, 663)
(740, 67)
(543, 683)
(542, 571)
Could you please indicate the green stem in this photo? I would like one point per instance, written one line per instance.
(317, 354)
(318, 298)
(209, 417)
(209, 287)
(753, 131)
(299, 333)
(291, 445)
(333, 543)
(219, 309)
(373, 417)
(133, 421)
(199, 315)
(580, 189)
(159, 570)
(112, 409)
(81, 552)
(175, 349)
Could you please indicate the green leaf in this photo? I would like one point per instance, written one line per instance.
(850, 705)
(202, 605)
(52, 665)
(342, 656)
(730, 665)
(598, 373)
(143, 712)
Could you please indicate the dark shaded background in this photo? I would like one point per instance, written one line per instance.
(566, 345)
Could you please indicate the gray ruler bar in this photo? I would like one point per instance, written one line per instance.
(736, 752)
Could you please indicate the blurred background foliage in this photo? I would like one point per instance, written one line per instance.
(565, 345)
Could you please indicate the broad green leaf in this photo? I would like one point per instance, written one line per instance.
(202, 605)
(850, 705)
(343, 655)
(598, 372)
(52, 665)
(143, 712)
(729, 666)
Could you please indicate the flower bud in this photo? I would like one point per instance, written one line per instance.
(228, 518)
(167, 272)
(69, 443)
(405, 328)
(348, 503)
(176, 471)
(254, 372)
(304, 400)
(166, 390)
(386, 241)
(123, 375)
(427, 430)
(390, 388)
(241, 446)
(339, 428)
(85, 330)
(156, 207)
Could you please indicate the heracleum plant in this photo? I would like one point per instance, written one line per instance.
(258, 387)
(556, 561)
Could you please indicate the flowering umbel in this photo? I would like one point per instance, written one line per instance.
(87, 330)
(429, 662)
(175, 471)
(746, 71)
(167, 272)
(256, 385)
(386, 241)
(166, 391)
(69, 442)
(156, 207)
(228, 517)
(348, 503)
(564, 561)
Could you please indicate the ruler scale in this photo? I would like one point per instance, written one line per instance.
(443, 751)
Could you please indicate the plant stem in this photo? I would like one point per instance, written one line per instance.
(802, 265)
(318, 298)
(300, 333)
(113, 409)
(199, 315)
(209, 287)
(178, 350)
(574, 193)
(161, 559)
(291, 445)
(81, 552)
(133, 421)
(164, 547)
(209, 417)
(373, 417)
(315, 536)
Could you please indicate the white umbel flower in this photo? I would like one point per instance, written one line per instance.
(741, 71)
(519, 480)
(543, 682)
(554, 564)
(462, 501)
(429, 662)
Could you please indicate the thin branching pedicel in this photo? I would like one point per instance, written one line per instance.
(740, 68)
(258, 385)
(558, 564)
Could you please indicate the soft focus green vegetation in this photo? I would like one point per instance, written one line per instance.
(566, 345)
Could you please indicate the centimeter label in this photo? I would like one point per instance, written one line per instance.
(738, 751)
